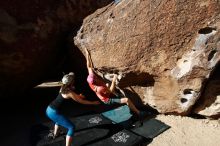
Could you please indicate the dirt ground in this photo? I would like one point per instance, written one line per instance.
(186, 131)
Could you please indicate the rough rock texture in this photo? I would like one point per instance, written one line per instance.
(164, 50)
(209, 103)
(33, 38)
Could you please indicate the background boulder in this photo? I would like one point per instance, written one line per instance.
(34, 40)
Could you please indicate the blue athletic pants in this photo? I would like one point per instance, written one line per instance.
(60, 120)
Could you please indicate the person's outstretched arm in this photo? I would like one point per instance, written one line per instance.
(81, 100)
(84, 101)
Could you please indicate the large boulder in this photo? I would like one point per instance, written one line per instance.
(164, 51)
(209, 103)
(33, 39)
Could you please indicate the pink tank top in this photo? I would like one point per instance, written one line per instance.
(99, 87)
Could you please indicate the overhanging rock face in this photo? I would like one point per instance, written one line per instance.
(163, 50)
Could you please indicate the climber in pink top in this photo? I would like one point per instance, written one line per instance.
(105, 93)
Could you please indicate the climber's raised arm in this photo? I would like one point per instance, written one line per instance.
(89, 61)
(112, 87)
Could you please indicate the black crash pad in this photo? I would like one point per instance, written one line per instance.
(38, 135)
(121, 138)
(94, 135)
(102, 129)
(97, 130)
(150, 128)
(88, 121)
(106, 134)
(89, 128)
(59, 141)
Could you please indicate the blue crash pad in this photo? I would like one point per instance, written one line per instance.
(118, 115)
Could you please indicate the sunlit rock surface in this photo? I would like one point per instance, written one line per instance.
(164, 51)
